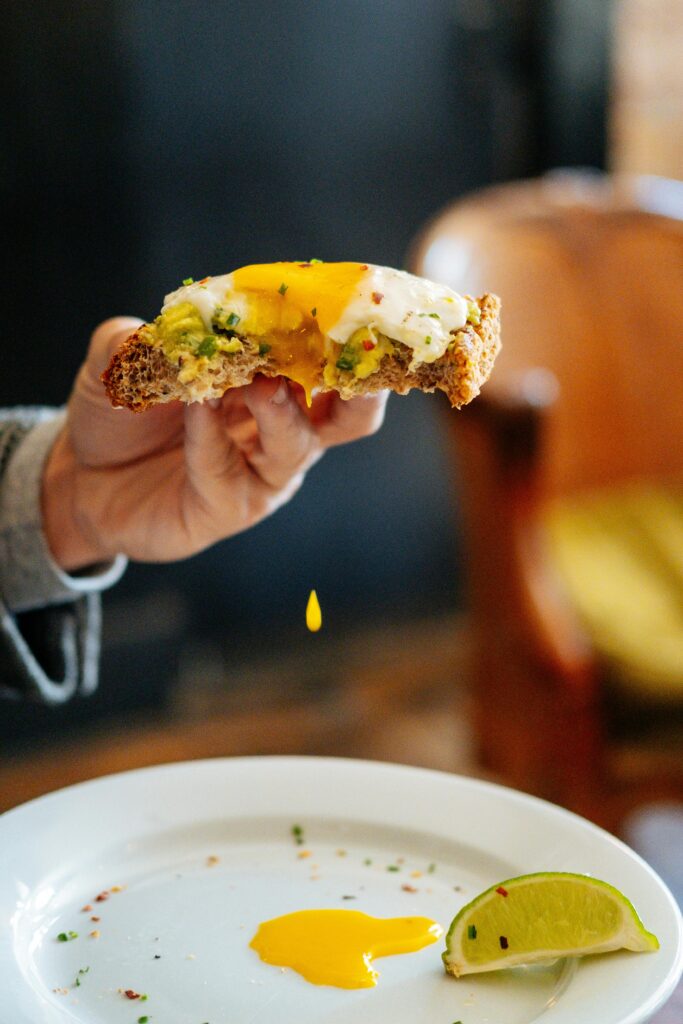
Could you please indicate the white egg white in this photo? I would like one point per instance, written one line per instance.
(417, 312)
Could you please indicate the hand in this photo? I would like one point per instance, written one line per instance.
(168, 482)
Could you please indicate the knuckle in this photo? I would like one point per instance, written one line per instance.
(260, 505)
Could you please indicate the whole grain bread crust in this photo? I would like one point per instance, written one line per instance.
(139, 374)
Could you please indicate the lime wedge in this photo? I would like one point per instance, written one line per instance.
(539, 917)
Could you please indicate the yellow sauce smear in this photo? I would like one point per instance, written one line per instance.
(293, 306)
(314, 616)
(337, 947)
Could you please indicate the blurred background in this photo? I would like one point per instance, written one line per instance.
(144, 142)
(147, 142)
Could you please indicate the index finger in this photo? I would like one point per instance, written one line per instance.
(287, 442)
(345, 420)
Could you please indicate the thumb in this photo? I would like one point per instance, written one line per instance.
(101, 434)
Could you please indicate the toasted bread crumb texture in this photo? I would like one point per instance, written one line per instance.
(140, 375)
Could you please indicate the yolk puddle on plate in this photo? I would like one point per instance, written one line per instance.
(337, 947)
(314, 616)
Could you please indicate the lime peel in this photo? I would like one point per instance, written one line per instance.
(541, 917)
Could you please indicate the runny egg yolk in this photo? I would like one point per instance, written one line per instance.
(337, 947)
(295, 305)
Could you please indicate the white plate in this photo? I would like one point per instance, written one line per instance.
(179, 930)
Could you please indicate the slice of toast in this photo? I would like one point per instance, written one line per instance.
(140, 374)
(196, 365)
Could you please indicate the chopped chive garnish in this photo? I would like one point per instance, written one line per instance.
(188, 280)
(431, 869)
(471, 931)
(434, 316)
(345, 362)
(298, 834)
(393, 867)
(314, 311)
(315, 261)
(232, 320)
(428, 339)
(283, 288)
(143, 1020)
(263, 349)
(367, 862)
(67, 936)
(207, 347)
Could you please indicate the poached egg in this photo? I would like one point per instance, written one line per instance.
(307, 312)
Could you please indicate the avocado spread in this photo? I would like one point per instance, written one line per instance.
(180, 331)
(361, 355)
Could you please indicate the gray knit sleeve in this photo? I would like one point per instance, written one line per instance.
(49, 619)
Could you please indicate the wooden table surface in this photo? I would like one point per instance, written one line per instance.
(376, 716)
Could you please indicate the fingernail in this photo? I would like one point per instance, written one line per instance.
(281, 395)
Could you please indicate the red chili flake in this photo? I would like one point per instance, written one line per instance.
(102, 897)
(363, 266)
(502, 891)
(503, 942)
(369, 345)
(130, 994)
(304, 266)
(95, 918)
(86, 908)
(377, 297)
(203, 280)
(409, 888)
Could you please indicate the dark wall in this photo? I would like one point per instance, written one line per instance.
(147, 141)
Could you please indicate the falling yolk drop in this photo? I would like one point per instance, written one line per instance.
(314, 617)
(337, 947)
